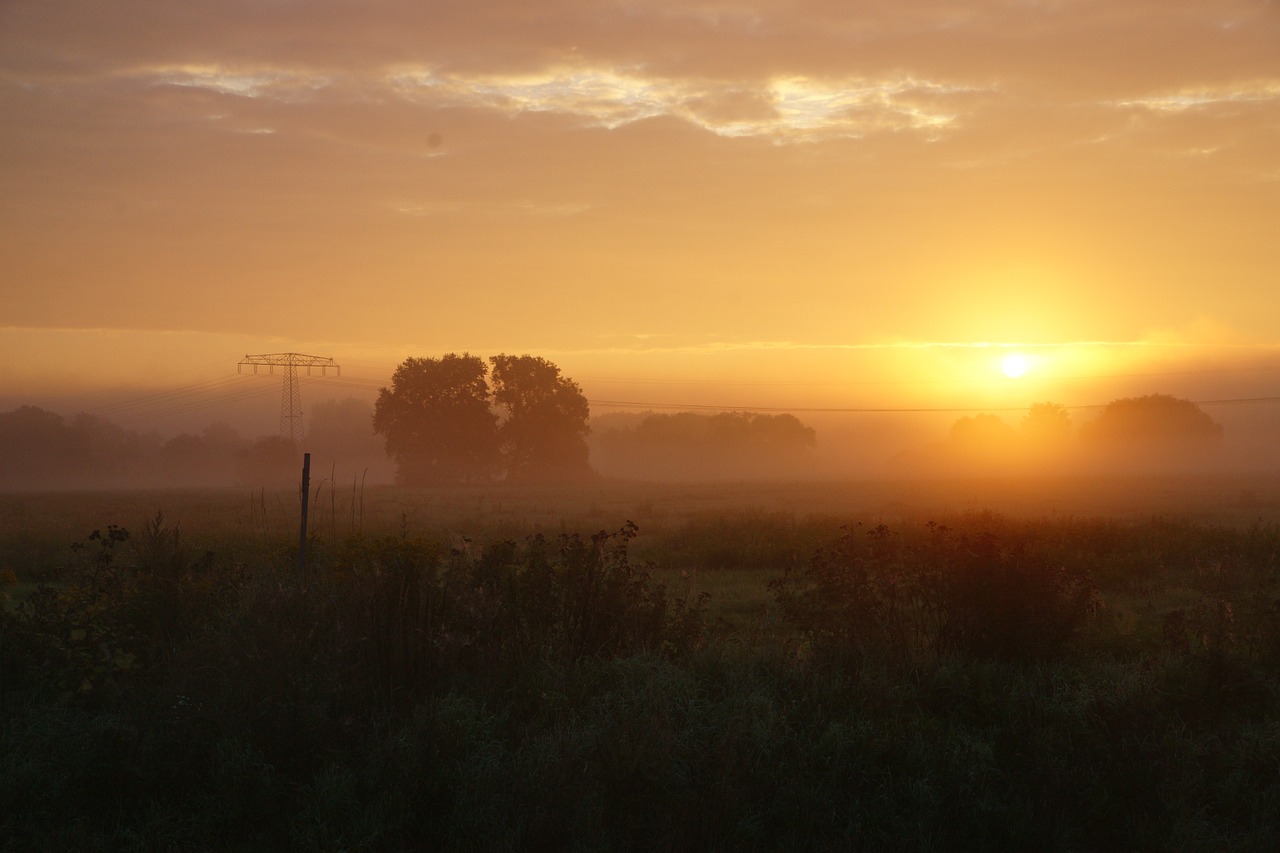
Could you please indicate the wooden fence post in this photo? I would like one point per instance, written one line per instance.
(302, 537)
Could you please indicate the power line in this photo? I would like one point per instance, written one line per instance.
(222, 390)
(192, 405)
(890, 410)
(703, 407)
(160, 397)
(1041, 376)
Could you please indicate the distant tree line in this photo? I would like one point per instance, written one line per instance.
(689, 445)
(1149, 432)
(459, 419)
(41, 450)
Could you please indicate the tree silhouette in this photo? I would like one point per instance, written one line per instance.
(1154, 428)
(982, 435)
(206, 459)
(437, 421)
(689, 445)
(1042, 441)
(35, 446)
(271, 460)
(337, 425)
(1046, 427)
(341, 439)
(543, 436)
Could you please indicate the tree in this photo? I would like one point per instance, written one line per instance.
(187, 459)
(341, 439)
(1156, 428)
(206, 459)
(1046, 428)
(272, 460)
(983, 435)
(543, 436)
(35, 447)
(689, 445)
(437, 421)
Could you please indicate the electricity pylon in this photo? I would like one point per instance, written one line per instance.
(291, 400)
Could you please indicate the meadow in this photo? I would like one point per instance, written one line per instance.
(1056, 665)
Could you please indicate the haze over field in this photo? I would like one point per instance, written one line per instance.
(749, 205)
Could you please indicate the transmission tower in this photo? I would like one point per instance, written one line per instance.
(291, 399)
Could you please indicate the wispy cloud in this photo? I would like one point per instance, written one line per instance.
(1197, 97)
(788, 108)
(275, 84)
(782, 108)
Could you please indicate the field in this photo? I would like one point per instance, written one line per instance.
(1066, 665)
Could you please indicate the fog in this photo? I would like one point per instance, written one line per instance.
(916, 445)
(44, 449)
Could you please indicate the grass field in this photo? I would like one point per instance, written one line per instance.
(35, 529)
(1058, 665)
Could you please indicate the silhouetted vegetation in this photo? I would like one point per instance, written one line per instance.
(342, 430)
(1151, 433)
(984, 438)
(987, 443)
(1046, 429)
(880, 595)
(1156, 429)
(440, 426)
(692, 446)
(41, 450)
(437, 421)
(543, 434)
(983, 682)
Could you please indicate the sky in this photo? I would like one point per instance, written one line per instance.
(781, 203)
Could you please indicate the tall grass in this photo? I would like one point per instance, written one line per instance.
(1003, 683)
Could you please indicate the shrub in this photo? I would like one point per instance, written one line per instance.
(412, 614)
(127, 607)
(907, 598)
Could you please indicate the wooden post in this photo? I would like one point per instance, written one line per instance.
(306, 495)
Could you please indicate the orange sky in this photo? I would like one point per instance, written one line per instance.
(776, 203)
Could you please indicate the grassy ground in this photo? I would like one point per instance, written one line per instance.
(36, 528)
(1087, 666)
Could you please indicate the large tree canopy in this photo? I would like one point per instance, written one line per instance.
(437, 421)
(443, 423)
(543, 436)
(1154, 428)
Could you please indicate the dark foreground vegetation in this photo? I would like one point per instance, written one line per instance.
(980, 682)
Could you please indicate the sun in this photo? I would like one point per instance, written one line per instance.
(1014, 365)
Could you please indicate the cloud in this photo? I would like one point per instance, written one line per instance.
(1200, 97)
(274, 84)
(792, 168)
(782, 108)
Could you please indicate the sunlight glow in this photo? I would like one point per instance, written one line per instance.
(1014, 365)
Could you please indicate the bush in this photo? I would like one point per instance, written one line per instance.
(412, 615)
(128, 606)
(908, 598)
